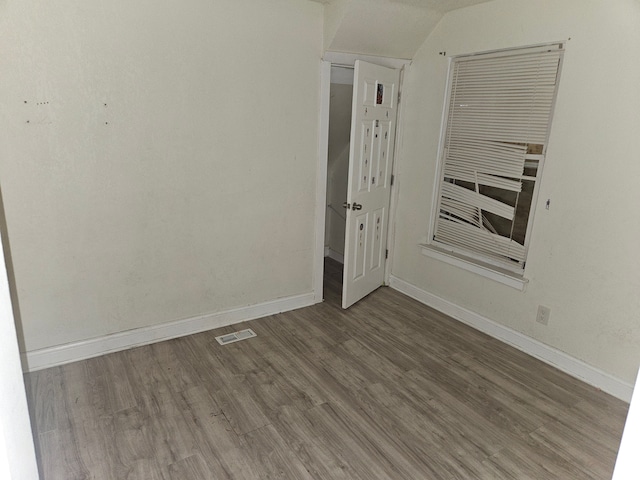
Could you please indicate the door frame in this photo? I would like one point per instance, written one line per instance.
(344, 59)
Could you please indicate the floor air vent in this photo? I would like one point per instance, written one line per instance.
(235, 336)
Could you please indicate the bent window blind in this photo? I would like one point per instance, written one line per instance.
(498, 117)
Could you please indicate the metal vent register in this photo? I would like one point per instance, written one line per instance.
(235, 336)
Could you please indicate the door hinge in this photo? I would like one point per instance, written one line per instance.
(392, 179)
(399, 94)
(386, 253)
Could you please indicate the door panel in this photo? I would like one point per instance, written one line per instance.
(360, 246)
(377, 252)
(373, 124)
(364, 159)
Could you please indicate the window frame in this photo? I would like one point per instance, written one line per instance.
(502, 271)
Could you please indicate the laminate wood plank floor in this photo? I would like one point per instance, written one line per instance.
(389, 389)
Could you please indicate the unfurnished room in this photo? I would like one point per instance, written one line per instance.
(319, 239)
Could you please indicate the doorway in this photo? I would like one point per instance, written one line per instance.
(341, 96)
(363, 182)
(340, 105)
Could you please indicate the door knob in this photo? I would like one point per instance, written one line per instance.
(356, 206)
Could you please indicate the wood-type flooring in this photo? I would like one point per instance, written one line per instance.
(389, 389)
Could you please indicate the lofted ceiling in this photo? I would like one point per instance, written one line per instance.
(386, 28)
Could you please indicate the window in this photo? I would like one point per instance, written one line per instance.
(497, 118)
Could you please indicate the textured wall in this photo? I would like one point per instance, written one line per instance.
(157, 158)
(583, 259)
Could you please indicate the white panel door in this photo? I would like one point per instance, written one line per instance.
(373, 126)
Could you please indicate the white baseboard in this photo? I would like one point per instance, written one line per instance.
(338, 257)
(72, 352)
(568, 364)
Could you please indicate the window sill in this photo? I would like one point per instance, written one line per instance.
(497, 274)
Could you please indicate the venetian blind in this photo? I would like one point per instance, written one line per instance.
(499, 104)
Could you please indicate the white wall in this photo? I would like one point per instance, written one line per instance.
(378, 27)
(333, 15)
(583, 260)
(157, 158)
(17, 453)
(627, 462)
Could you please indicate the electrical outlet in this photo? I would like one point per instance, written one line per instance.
(543, 315)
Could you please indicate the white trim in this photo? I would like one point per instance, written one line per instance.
(435, 201)
(338, 257)
(473, 257)
(349, 59)
(628, 462)
(321, 179)
(554, 357)
(488, 271)
(561, 44)
(393, 198)
(72, 352)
